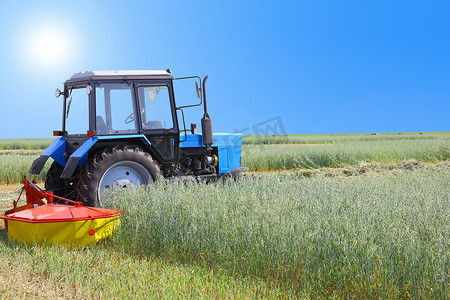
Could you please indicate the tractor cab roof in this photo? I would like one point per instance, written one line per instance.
(120, 75)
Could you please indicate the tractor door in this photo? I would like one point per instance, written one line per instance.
(158, 119)
(115, 109)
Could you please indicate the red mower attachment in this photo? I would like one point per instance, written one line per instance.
(64, 224)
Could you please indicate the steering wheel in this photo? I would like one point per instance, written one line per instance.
(129, 119)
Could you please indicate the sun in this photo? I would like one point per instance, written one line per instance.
(48, 46)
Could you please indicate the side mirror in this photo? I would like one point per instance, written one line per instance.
(197, 89)
(58, 93)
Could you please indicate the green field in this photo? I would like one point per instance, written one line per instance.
(341, 138)
(299, 152)
(369, 237)
(276, 157)
(24, 144)
(352, 216)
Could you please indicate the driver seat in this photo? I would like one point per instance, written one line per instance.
(100, 125)
(153, 125)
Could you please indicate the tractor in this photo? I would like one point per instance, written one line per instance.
(123, 128)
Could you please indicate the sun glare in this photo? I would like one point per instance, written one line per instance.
(48, 46)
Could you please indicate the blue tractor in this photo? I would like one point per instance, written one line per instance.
(120, 128)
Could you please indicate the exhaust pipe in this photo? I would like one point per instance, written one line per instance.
(207, 132)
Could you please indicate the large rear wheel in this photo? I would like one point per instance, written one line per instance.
(118, 167)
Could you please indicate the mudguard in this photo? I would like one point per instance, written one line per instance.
(79, 157)
(56, 151)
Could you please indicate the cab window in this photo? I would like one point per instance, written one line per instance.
(155, 108)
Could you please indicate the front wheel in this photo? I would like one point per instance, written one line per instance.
(121, 167)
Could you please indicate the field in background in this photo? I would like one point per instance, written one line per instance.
(340, 138)
(280, 152)
(24, 144)
(28, 144)
(354, 216)
(277, 157)
(276, 153)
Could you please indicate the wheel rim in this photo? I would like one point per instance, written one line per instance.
(122, 174)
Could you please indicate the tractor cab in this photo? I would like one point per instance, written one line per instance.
(122, 105)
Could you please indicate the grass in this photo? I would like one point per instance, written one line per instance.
(371, 237)
(355, 216)
(271, 236)
(99, 272)
(15, 164)
(103, 272)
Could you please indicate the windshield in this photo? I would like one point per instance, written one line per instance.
(115, 109)
(77, 111)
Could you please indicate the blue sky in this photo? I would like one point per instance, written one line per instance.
(318, 66)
